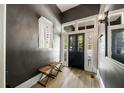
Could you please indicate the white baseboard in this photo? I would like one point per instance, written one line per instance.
(100, 80)
(29, 83)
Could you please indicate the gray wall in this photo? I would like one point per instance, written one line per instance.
(23, 57)
(81, 11)
(111, 73)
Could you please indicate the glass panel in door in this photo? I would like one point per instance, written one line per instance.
(80, 43)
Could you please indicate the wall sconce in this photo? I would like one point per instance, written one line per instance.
(100, 36)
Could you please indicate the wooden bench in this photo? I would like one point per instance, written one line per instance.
(47, 70)
(56, 66)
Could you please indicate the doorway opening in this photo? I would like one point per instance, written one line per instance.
(78, 44)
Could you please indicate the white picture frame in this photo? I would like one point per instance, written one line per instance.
(45, 33)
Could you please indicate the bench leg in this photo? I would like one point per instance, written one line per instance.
(50, 75)
(58, 70)
(41, 84)
(44, 85)
(53, 76)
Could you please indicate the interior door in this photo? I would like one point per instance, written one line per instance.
(89, 51)
(76, 50)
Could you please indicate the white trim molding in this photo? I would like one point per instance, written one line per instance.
(100, 80)
(29, 83)
(94, 20)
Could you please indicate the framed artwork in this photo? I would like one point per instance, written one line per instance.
(45, 33)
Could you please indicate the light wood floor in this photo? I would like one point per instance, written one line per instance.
(72, 78)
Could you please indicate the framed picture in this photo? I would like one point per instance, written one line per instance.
(45, 33)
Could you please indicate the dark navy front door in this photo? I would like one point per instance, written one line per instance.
(76, 50)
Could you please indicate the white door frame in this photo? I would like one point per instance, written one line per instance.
(86, 51)
(76, 22)
(85, 47)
